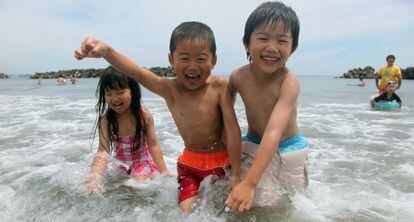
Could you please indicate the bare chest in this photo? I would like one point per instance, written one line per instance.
(126, 126)
(196, 110)
(261, 99)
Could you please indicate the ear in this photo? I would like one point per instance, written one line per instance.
(214, 61)
(171, 60)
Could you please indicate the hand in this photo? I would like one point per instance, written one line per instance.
(92, 48)
(167, 174)
(241, 197)
(92, 183)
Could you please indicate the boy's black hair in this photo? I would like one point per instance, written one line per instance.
(113, 79)
(275, 13)
(390, 57)
(192, 31)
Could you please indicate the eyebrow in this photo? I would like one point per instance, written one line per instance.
(188, 54)
(284, 35)
(281, 35)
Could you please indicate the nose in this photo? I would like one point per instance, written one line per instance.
(272, 47)
(192, 66)
(111, 98)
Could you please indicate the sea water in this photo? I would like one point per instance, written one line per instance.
(361, 164)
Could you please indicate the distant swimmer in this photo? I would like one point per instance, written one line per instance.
(39, 79)
(61, 81)
(388, 96)
(361, 82)
(73, 79)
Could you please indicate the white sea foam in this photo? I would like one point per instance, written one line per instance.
(360, 164)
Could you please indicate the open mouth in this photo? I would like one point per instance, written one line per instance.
(192, 78)
(117, 105)
(270, 60)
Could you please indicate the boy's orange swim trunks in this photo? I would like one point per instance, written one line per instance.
(193, 167)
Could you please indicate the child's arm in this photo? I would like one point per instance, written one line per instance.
(398, 99)
(94, 48)
(92, 182)
(232, 132)
(383, 96)
(233, 86)
(241, 197)
(153, 144)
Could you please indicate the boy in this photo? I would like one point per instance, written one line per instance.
(273, 147)
(390, 72)
(61, 80)
(361, 81)
(387, 96)
(200, 104)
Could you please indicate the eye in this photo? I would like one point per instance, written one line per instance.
(184, 59)
(202, 59)
(262, 39)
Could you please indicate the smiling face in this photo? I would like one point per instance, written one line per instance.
(118, 100)
(270, 47)
(192, 61)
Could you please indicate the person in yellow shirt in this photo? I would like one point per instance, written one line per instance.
(390, 72)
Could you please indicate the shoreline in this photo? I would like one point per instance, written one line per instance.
(94, 73)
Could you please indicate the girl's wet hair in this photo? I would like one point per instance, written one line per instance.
(192, 31)
(112, 79)
(275, 13)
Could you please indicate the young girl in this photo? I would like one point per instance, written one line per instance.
(125, 128)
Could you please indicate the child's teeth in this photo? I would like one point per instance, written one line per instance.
(270, 58)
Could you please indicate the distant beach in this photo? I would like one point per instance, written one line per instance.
(369, 72)
(95, 73)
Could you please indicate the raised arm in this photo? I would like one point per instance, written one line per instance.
(153, 144)
(232, 131)
(93, 48)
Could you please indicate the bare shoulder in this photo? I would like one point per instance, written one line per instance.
(104, 120)
(238, 75)
(148, 117)
(171, 83)
(290, 83)
(218, 82)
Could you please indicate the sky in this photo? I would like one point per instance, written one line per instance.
(335, 36)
